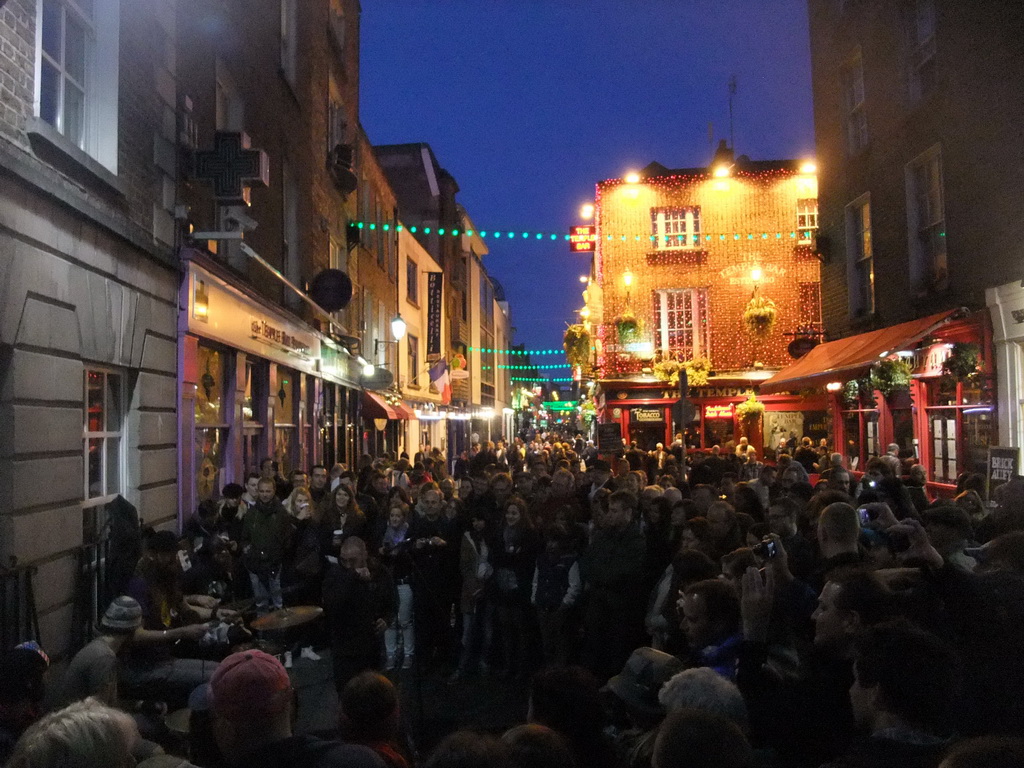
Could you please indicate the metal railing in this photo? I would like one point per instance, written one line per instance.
(19, 620)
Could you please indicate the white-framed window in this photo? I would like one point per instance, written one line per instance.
(103, 435)
(922, 49)
(682, 322)
(861, 257)
(412, 281)
(926, 220)
(675, 228)
(77, 73)
(806, 216)
(336, 121)
(230, 107)
(855, 116)
(414, 360)
(289, 39)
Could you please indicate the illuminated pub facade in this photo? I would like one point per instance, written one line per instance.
(687, 265)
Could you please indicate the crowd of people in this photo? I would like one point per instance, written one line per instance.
(663, 608)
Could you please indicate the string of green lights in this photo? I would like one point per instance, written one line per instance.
(537, 379)
(517, 351)
(535, 235)
(532, 367)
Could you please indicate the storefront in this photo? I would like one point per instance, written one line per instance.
(254, 383)
(644, 411)
(944, 415)
(1006, 306)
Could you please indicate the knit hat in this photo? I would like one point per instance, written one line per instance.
(640, 681)
(123, 615)
(250, 684)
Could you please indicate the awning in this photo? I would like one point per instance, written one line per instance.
(404, 411)
(376, 407)
(851, 357)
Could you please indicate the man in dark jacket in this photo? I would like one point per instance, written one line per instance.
(360, 604)
(266, 529)
(613, 570)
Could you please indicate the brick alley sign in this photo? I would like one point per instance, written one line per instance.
(434, 283)
(583, 238)
(1003, 466)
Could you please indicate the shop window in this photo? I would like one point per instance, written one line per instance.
(862, 438)
(960, 428)
(103, 436)
(211, 422)
(254, 412)
(286, 439)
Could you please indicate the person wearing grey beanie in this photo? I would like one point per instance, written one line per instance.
(93, 670)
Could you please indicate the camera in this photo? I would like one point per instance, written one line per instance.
(867, 515)
(767, 549)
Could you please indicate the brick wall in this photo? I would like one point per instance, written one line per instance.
(727, 206)
(972, 114)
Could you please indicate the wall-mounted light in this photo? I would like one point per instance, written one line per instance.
(755, 274)
(587, 211)
(833, 386)
(808, 167)
(632, 178)
(398, 328)
(627, 279)
(722, 171)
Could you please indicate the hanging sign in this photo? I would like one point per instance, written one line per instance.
(647, 415)
(582, 238)
(434, 283)
(719, 411)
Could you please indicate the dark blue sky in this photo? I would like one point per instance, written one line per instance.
(529, 103)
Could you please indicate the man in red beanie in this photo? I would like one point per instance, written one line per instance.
(254, 709)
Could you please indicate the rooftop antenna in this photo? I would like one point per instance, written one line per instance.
(732, 94)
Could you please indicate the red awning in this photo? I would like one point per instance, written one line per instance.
(404, 411)
(375, 407)
(851, 357)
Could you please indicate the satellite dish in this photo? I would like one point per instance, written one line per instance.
(331, 289)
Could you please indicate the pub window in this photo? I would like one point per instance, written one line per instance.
(103, 436)
(211, 422)
(286, 438)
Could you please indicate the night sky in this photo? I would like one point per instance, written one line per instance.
(529, 103)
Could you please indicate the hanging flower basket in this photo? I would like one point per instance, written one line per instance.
(891, 377)
(851, 393)
(668, 371)
(759, 316)
(627, 327)
(750, 410)
(697, 371)
(963, 361)
(576, 343)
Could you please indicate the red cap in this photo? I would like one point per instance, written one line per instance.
(250, 683)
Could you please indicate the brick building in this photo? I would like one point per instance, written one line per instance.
(915, 108)
(88, 289)
(684, 252)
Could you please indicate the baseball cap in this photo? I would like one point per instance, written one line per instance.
(124, 614)
(250, 684)
(641, 679)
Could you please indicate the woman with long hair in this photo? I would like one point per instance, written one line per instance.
(395, 555)
(514, 556)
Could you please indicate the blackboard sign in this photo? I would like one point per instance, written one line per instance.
(1003, 466)
(609, 437)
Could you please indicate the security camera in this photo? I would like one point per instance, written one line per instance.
(237, 220)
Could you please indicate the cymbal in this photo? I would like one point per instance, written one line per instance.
(288, 617)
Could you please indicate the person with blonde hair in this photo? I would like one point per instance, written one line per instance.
(85, 734)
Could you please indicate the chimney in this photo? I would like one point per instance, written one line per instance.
(723, 155)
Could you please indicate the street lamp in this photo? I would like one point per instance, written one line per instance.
(627, 279)
(587, 211)
(755, 275)
(398, 327)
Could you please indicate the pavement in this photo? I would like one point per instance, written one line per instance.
(431, 707)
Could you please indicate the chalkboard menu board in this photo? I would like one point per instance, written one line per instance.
(609, 437)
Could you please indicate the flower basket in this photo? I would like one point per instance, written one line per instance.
(963, 361)
(668, 370)
(576, 343)
(891, 377)
(750, 410)
(697, 371)
(759, 316)
(627, 328)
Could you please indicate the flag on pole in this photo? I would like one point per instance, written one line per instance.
(441, 380)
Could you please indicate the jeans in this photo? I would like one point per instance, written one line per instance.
(267, 589)
(170, 681)
(477, 630)
(402, 625)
